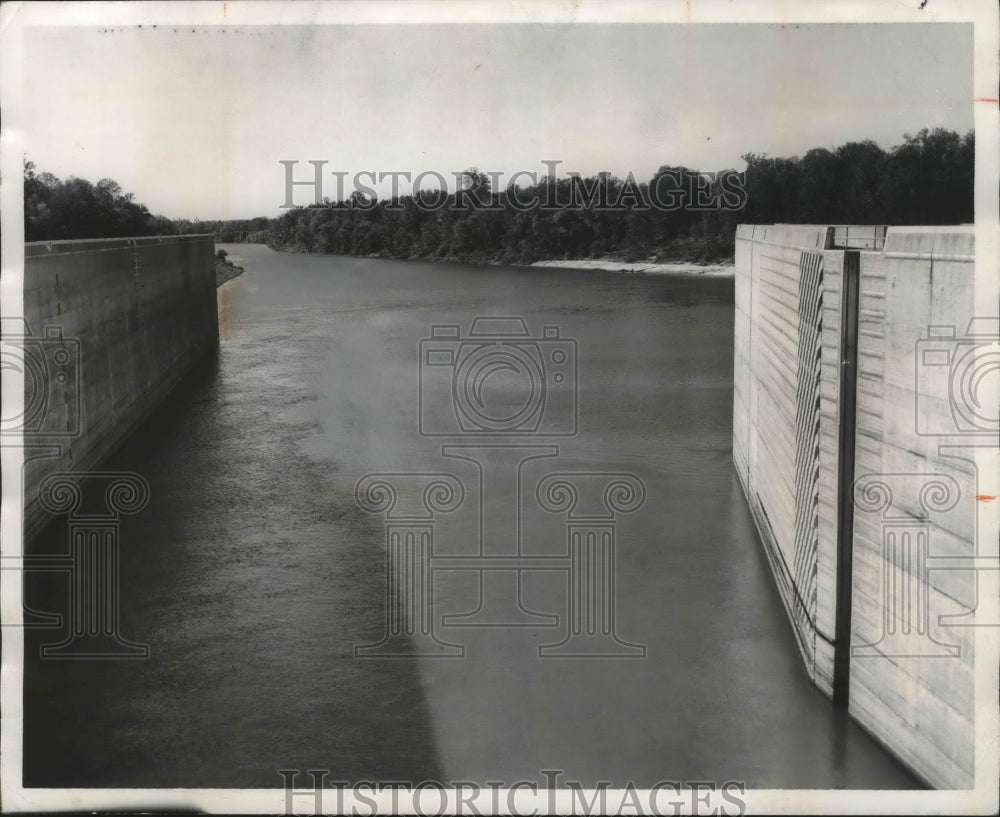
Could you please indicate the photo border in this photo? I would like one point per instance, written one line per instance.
(16, 18)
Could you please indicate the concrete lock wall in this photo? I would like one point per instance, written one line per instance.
(783, 412)
(837, 433)
(115, 324)
(914, 690)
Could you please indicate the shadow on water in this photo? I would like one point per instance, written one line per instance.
(250, 607)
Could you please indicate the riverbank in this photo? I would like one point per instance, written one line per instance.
(643, 267)
(225, 271)
(723, 268)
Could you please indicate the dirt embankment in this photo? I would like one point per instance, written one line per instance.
(225, 271)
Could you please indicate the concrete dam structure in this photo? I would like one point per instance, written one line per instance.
(112, 325)
(855, 423)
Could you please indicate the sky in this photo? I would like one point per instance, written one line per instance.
(195, 120)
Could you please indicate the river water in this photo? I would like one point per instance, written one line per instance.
(253, 573)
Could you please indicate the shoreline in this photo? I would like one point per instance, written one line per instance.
(718, 269)
(225, 271)
(726, 270)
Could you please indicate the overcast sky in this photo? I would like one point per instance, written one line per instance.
(195, 121)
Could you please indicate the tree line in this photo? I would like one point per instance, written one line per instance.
(56, 209)
(678, 214)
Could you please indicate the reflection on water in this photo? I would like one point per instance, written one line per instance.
(253, 573)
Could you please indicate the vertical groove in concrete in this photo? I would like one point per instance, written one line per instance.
(848, 374)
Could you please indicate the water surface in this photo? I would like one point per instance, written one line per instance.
(253, 574)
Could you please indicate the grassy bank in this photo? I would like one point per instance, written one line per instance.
(225, 270)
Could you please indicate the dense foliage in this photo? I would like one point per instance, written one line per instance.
(928, 179)
(581, 219)
(74, 208)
